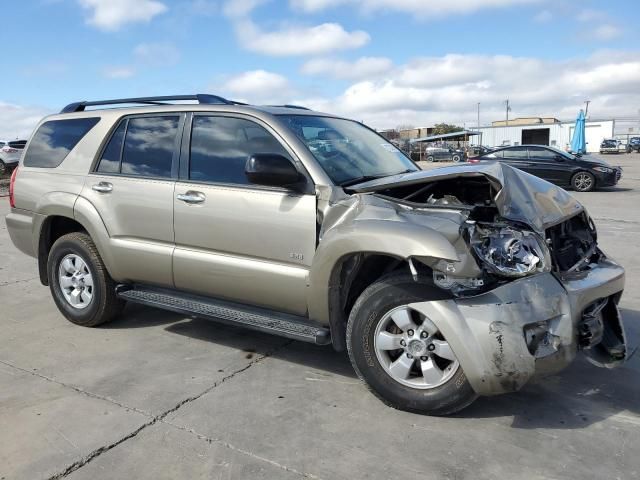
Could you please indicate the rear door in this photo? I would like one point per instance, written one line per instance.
(234, 240)
(132, 188)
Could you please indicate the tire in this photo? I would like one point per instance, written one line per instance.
(95, 304)
(456, 158)
(430, 159)
(583, 182)
(387, 296)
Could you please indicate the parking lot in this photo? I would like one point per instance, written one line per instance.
(156, 395)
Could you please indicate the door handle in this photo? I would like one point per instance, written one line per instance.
(103, 187)
(191, 197)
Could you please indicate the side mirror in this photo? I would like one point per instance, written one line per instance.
(272, 170)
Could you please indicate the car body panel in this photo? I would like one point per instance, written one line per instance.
(251, 245)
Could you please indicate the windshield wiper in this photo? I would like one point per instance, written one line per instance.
(366, 178)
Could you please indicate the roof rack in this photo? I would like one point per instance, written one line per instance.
(201, 98)
(299, 107)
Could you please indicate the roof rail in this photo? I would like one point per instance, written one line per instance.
(299, 107)
(205, 99)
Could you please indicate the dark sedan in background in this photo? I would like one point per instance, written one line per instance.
(583, 174)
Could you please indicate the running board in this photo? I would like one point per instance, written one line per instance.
(255, 318)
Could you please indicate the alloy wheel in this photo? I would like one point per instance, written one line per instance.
(76, 281)
(412, 351)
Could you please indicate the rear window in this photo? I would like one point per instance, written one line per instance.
(55, 139)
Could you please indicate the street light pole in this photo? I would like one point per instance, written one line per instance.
(508, 108)
(586, 110)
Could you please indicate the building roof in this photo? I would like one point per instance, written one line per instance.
(446, 136)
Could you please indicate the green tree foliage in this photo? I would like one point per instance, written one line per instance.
(443, 128)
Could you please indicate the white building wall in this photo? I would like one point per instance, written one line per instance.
(559, 134)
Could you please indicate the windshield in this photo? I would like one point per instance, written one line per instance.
(348, 151)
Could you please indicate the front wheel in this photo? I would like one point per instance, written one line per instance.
(583, 182)
(430, 159)
(400, 354)
(457, 158)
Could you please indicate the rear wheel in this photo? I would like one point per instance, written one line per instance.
(583, 182)
(400, 354)
(80, 284)
(457, 158)
(430, 158)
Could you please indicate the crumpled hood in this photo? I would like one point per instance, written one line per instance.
(521, 197)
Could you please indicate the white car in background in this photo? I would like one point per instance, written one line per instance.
(10, 152)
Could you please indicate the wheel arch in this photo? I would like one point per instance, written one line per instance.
(60, 220)
(348, 261)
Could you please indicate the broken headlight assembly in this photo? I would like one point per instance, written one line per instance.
(507, 251)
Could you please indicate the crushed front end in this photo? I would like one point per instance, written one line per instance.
(539, 291)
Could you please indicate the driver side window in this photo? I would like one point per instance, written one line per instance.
(221, 146)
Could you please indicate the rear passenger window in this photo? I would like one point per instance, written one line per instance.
(55, 139)
(221, 146)
(149, 145)
(110, 161)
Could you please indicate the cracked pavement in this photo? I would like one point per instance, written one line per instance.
(155, 395)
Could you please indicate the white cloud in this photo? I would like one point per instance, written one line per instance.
(418, 8)
(18, 121)
(259, 86)
(290, 41)
(448, 88)
(543, 16)
(365, 67)
(110, 15)
(119, 72)
(590, 15)
(157, 54)
(606, 32)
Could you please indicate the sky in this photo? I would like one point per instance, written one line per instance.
(387, 63)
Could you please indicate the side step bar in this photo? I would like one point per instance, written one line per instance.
(263, 320)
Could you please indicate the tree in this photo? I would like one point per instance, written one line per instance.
(444, 128)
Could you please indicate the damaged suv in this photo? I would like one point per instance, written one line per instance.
(442, 285)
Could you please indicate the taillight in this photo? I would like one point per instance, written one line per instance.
(12, 200)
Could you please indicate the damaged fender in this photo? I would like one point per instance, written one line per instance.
(368, 224)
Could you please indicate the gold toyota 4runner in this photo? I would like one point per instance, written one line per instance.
(442, 285)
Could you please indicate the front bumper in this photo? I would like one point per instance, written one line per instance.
(487, 332)
(608, 179)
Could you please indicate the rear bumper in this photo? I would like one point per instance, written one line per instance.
(20, 228)
(491, 334)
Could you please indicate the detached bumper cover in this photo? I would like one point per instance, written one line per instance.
(487, 332)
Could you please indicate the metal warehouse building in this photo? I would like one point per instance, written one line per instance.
(544, 131)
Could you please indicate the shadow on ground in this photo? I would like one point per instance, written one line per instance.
(578, 397)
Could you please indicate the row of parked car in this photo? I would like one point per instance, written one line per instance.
(612, 145)
(10, 151)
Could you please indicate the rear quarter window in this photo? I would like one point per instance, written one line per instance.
(55, 139)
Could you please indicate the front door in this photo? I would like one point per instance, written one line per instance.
(132, 189)
(549, 165)
(234, 240)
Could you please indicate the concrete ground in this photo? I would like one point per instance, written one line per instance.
(155, 395)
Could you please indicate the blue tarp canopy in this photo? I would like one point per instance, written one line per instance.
(578, 142)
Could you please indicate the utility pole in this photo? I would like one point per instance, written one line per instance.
(478, 115)
(508, 108)
(586, 110)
